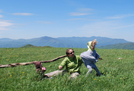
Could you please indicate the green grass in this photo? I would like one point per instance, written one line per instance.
(118, 74)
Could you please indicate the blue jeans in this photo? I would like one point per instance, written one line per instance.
(91, 65)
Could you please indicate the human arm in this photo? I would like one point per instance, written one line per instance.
(63, 63)
(98, 57)
(89, 56)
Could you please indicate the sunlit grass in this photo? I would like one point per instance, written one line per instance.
(118, 74)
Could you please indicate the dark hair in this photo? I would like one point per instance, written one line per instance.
(68, 51)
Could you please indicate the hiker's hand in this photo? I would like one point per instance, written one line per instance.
(60, 67)
(100, 59)
(43, 68)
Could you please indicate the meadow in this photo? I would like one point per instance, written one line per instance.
(118, 74)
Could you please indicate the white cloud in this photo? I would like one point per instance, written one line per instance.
(120, 16)
(99, 28)
(4, 24)
(85, 9)
(124, 26)
(77, 19)
(106, 26)
(45, 22)
(111, 29)
(81, 12)
(1, 16)
(78, 14)
(23, 14)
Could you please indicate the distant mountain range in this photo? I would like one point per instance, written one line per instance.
(65, 42)
(129, 45)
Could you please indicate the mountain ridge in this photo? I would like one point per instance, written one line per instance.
(72, 42)
(129, 45)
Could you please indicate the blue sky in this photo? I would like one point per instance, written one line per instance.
(26, 19)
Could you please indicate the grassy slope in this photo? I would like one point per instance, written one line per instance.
(118, 74)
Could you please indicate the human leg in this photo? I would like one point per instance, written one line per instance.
(74, 75)
(87, 64)
(54, 73)
(89, 70)
(96, 69)
(90, 65)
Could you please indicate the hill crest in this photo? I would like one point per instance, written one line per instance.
(68, 42)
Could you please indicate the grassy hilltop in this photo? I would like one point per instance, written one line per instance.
(118, 74)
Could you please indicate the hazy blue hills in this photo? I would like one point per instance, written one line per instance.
(5, 39)
(68, 42)
(129, 45)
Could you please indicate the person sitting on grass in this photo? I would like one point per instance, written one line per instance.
(39, 67)
(90, 57)
(72, 62)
